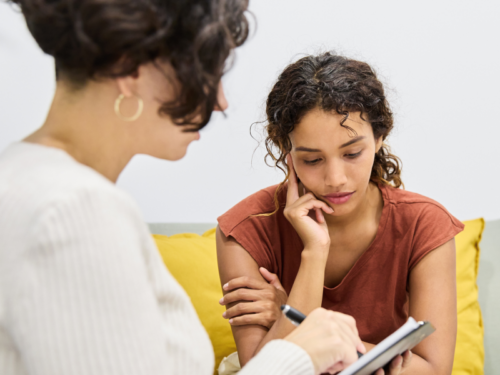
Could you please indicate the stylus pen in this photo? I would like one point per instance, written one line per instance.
(296, 317)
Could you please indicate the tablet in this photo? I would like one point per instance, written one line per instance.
(405, 338)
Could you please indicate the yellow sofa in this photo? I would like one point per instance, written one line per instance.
(189, 252)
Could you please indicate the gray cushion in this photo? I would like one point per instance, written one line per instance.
(488, 282)
(169, 229)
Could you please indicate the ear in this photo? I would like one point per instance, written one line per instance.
(378, 144)
(222, 103)
(127, 85)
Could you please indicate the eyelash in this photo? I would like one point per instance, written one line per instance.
(315, 161)
(353, 156)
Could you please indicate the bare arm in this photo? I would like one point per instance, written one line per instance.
(234, 262)
(433, 297)
(306, 294)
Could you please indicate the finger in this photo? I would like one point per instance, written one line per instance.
(242, 294)
(293, 188)
(407, 356)
(319, 216)
(243, 308)
(380, 371)
(308, 196)
(348, 335)
(339, 366)
(308, 204)
(361, 348)
(350, 356)
(349, 320)
(271, 278)
(244, 282)
(248, 320)
(395, 366)
(302, 199)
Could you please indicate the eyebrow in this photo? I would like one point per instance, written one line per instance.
(307, 149)
(354, 140)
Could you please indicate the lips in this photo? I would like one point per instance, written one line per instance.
(338, 198)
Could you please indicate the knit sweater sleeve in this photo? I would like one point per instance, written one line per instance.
(82, 302)
(280, 357)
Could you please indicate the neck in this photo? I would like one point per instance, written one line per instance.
(84, 125)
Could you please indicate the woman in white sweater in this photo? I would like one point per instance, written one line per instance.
(82, 287)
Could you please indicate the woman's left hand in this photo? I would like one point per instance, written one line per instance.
(258, 302)
(398, 365)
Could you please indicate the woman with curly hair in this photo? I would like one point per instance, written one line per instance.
(340, 233)
(83, 289)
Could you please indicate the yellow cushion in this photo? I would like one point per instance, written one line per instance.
(192, 260)
(469, 351)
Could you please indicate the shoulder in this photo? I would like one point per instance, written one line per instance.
(258, 234)
(401, 196)
(410, 207)
(38, 182)
(261, 202)
(423, 222)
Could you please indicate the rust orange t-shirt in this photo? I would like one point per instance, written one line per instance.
(375, 291)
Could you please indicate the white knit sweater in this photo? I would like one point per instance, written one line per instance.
(83, 289)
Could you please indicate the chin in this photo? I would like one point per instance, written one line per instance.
(176, 157)
(342, 210)
(171, 155)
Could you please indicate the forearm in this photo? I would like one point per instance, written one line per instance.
(307, 290)
(420, 366)
(417, 366)
(306, 295)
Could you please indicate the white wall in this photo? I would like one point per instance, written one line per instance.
(440, 61)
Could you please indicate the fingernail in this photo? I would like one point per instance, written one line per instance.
(221, 301)
(224, 314)
(230, 321)
(225, 286)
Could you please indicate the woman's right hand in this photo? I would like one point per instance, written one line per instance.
(305, 214)
(330, 338)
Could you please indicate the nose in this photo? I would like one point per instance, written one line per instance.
(222, 103)
(335, 173)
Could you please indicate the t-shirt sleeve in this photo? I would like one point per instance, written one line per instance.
(435, 226)
(255, 232)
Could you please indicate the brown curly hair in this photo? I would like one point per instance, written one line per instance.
(332, 83)
(95, 39)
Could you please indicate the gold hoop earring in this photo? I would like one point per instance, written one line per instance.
(137, 114)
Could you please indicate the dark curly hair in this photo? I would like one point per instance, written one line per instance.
(95, 39)
(332, 83)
